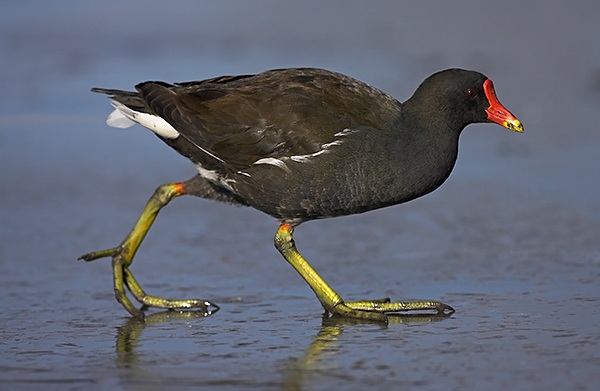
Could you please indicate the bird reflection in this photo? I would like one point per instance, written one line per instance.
(317, 359)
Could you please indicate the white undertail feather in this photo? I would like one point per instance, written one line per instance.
(124, 117)
(116, 119)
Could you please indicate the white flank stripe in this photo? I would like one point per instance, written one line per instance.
(346, 132)
(331, 144)
(324, 148)
(272, 161)
(305, 158)
(152, 122)
(214, 177)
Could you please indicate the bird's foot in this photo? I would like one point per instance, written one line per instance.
(122, 257)
(123, 279)
(377, 309)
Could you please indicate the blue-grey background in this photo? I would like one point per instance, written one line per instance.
(511, 240)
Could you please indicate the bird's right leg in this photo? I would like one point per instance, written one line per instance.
(331, 301)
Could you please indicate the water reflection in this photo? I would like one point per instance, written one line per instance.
(321, 354)
(128, 335)
(318, 361)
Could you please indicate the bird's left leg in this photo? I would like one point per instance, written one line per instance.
(122, 255)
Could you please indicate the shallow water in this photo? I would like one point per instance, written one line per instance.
(511, 240)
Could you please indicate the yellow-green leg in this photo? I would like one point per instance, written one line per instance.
(122, 257)
(331, 301)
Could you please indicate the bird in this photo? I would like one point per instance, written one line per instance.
(301, 144)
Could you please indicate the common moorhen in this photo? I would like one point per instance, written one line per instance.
(301, 144)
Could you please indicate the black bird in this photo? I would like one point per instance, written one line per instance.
(301, 144)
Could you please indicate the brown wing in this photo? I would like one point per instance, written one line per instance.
(241, 119)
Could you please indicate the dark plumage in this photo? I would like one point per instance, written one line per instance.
(303, 144)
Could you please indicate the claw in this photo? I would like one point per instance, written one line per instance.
(442, 308)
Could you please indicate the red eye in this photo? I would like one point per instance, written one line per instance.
(470, 93)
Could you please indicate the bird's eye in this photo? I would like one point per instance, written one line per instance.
(470, 93)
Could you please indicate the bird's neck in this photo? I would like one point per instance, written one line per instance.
(425, 152)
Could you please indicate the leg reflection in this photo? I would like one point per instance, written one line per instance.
(320, 360)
